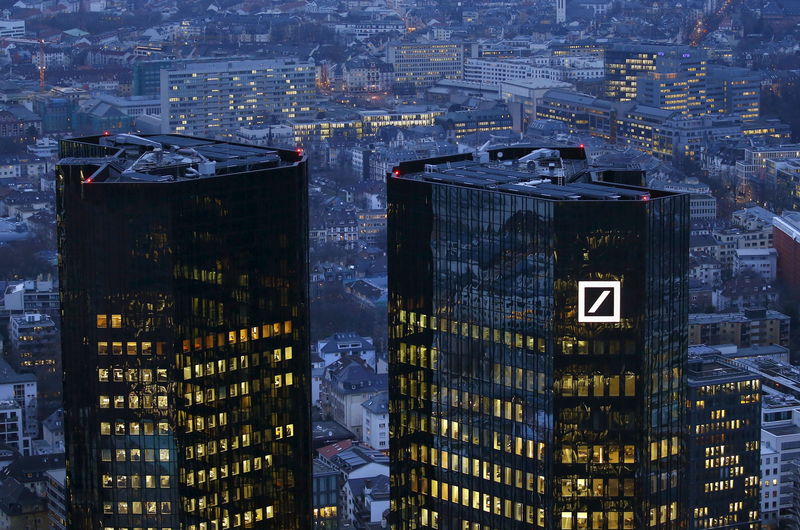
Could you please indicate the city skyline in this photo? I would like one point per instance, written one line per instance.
(366, 264)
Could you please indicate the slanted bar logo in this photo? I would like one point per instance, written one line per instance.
(598, 301)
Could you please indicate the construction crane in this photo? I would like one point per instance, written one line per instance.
(42, 65)
(41, 54)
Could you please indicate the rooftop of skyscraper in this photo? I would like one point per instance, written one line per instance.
(167, 158)
(547, 173)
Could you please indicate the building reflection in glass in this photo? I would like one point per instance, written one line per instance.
(507, 411)
(183, 268)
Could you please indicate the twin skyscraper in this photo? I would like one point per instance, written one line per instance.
(537, 352)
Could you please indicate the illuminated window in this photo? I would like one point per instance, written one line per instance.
(116, 321)
(102, 321)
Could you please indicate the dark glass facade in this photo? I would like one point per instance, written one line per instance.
(183, 268)
(723, 445)
(507, 408)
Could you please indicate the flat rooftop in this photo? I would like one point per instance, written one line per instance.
(549, 173)
(703, 372)
(165, 158)
(783, 430)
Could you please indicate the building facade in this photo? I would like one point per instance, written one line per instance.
(752, 327)
(523, 394)
(421, 64)
(723, 445)
(628, 64)
(33, 340)
(184, 288)
(786, 237)
(217, 98)
(18, 408)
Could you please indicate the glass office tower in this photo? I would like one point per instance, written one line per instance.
(183, 267)
(538, 335)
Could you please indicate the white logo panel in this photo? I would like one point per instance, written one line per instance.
(599, 301)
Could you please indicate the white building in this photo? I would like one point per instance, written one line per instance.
(365, 29)
(17, 408)
(365, 501)
(339, 345)
(495, 72)
(375, 430)
(40, 295)
(702, 207)
(218, 98)
(44, 148)
(12, 28)
(764, 261)
(779, 442)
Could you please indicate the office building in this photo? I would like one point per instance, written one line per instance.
(582, 113)
(18, 408)
(786, 238)
(723, 445)
(733, 91)
(218, 98)
(522, 97)
(481, 122)
(537, 344)
(184, 286)
(403, 116)
(146, 73)
(680, 69)
(677, 83)
(34, 348)
(421, 64)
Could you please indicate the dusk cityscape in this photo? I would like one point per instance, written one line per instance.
(399, 264)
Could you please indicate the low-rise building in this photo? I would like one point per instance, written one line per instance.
(346, 344)
(705, 268)
(366, 500)
(730, 239)
(31, 296)
(20, 507)
(347, 384)
(752, 327)
(375, 430)
(746, 290)
(18, 394)
(461, 123)
(763, 261)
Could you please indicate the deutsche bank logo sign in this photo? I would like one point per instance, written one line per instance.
(598, 301)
